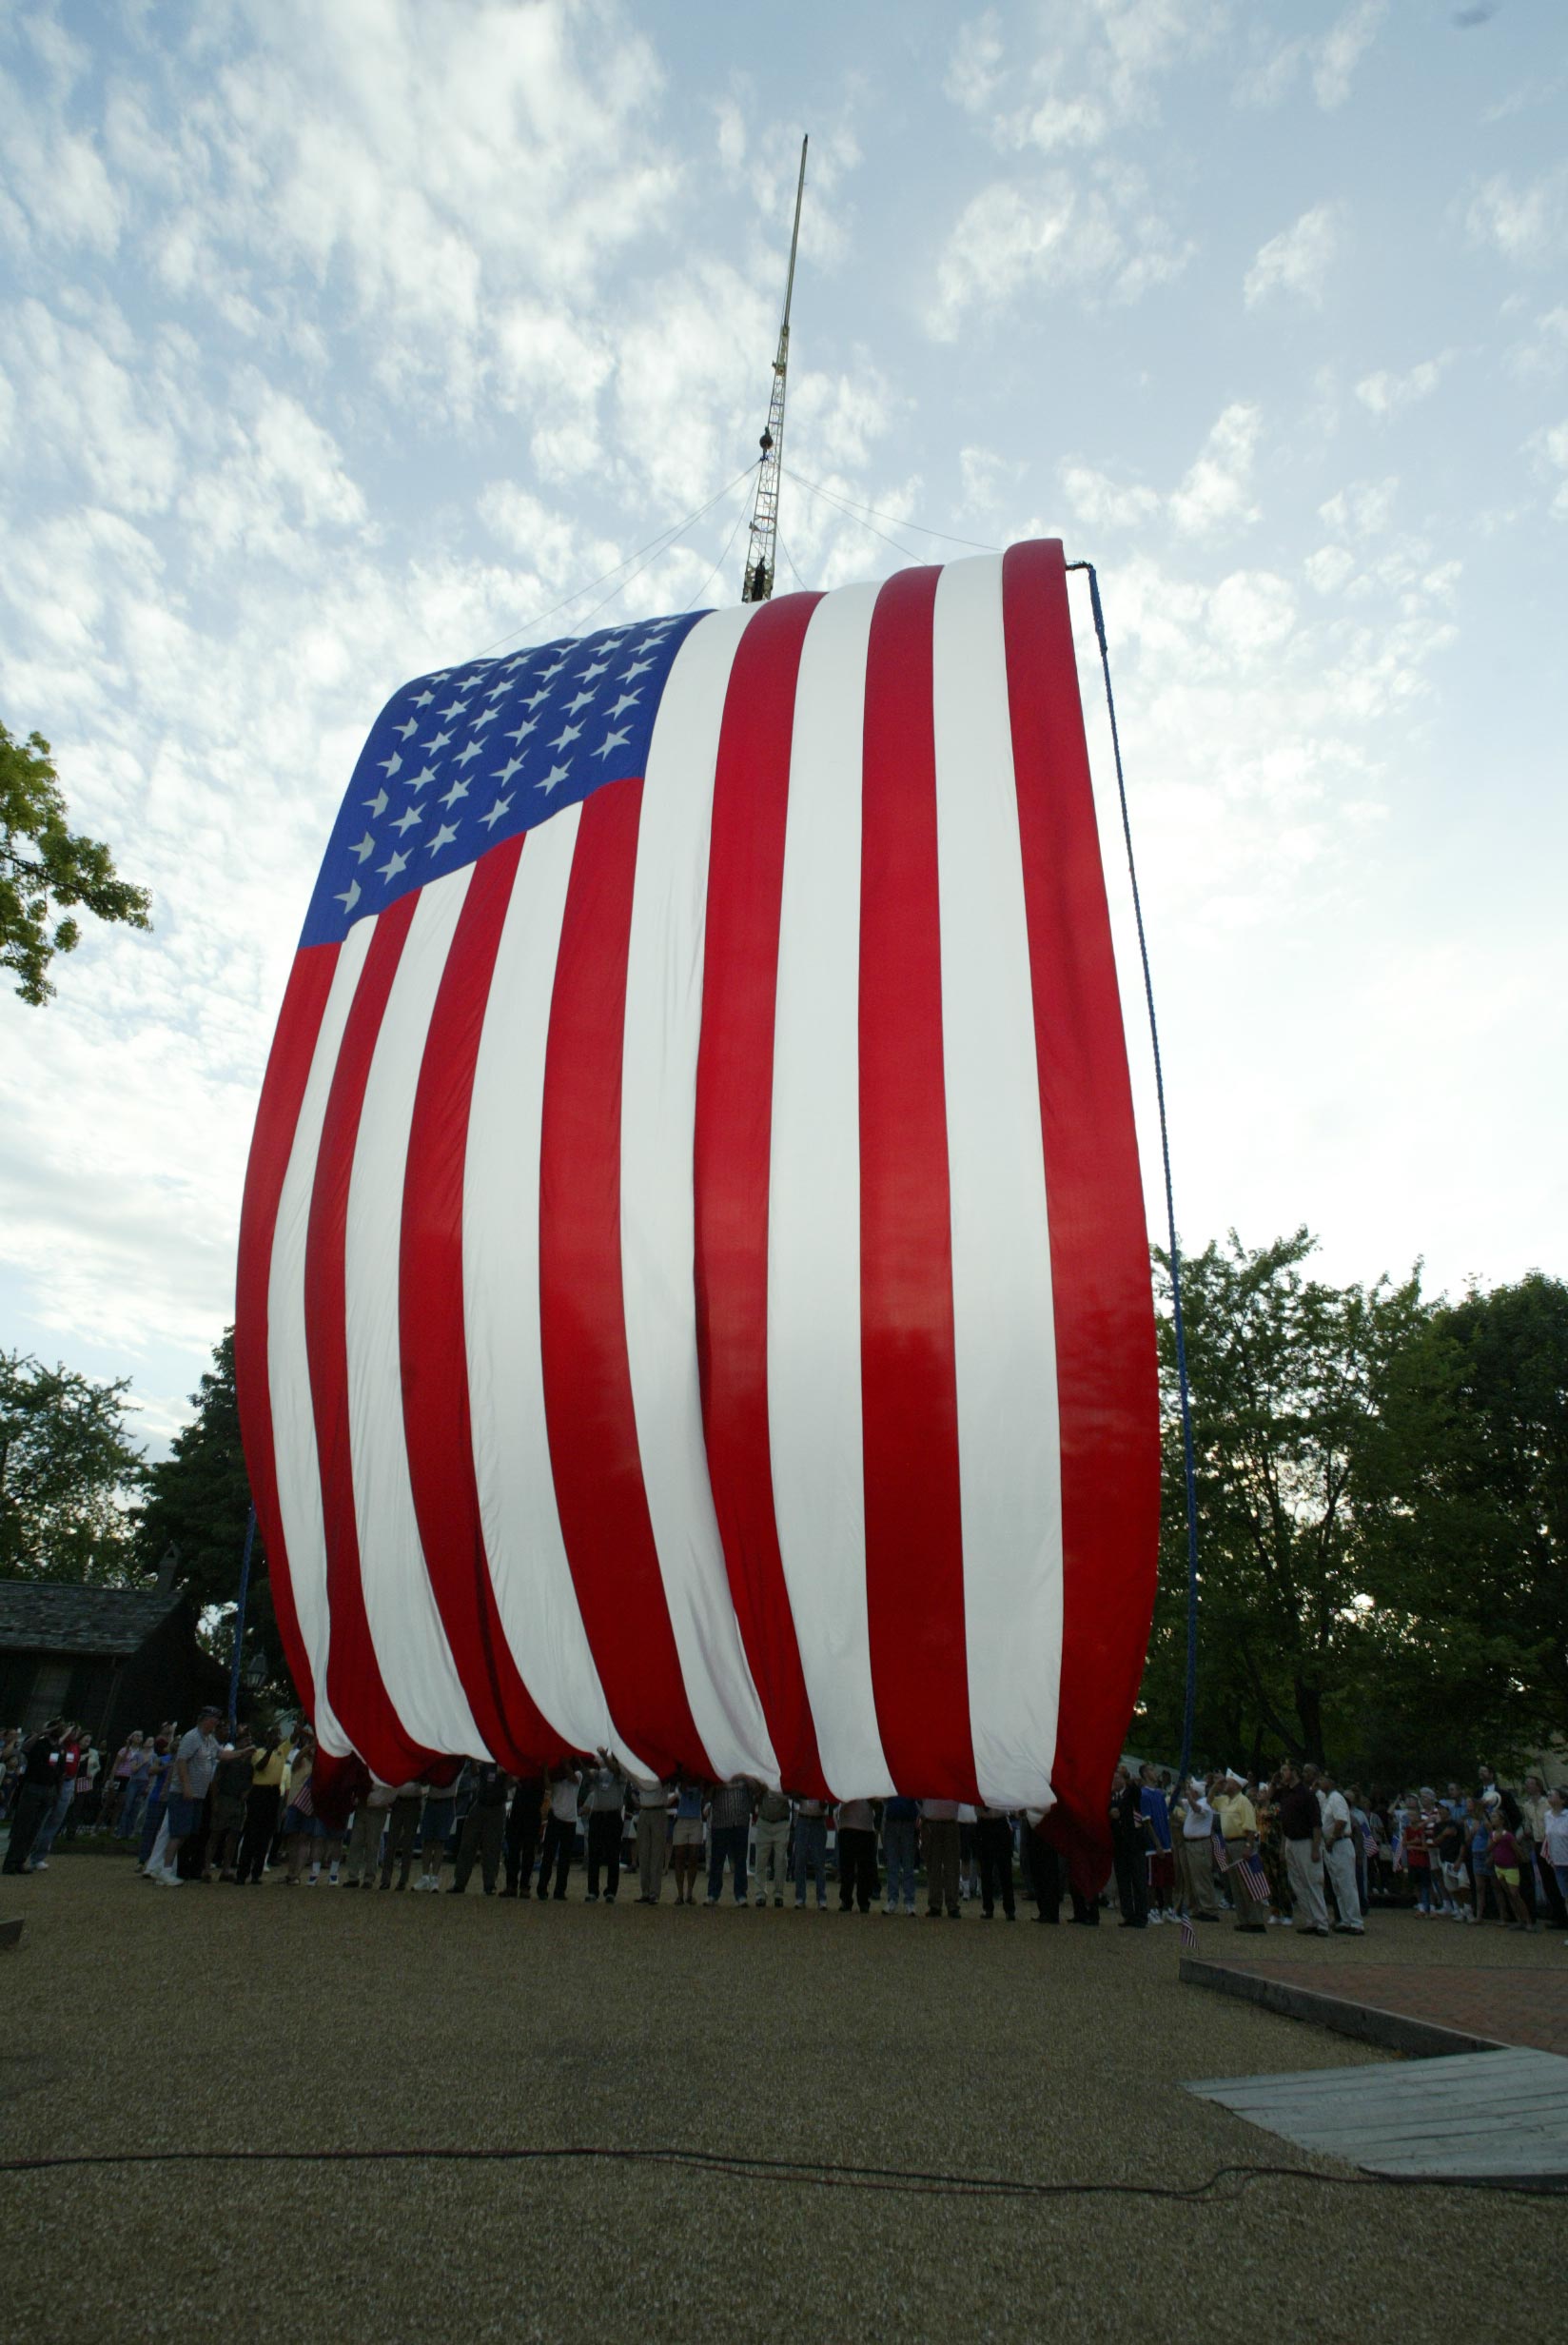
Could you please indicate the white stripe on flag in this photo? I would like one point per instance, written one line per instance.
(813, 1203)
(536, 1595)
(287, 1357)
(1004, 1346)
(657, 1219)
(407, 1628)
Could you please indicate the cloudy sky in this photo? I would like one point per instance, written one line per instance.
(341, 342)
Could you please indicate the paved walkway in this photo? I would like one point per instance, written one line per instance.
(1523, 2006)
(1482, 2116)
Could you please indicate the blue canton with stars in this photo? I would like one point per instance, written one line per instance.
(470, 756)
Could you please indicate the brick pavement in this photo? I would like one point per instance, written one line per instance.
(1527, 2006)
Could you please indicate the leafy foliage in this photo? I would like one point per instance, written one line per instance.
(198, 1499)
(69, 1474)
(45, 866)
(1383, 1501)
(1479, 1559)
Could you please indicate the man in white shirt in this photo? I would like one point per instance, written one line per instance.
(1198, 1854)
(195, 1763)
(560, 1832)
(1339, 1851)
(653, 1830)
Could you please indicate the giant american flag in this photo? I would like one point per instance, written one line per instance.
(693, 1291)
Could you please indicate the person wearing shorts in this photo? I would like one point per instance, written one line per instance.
(195, 1763)
(299, 1831)
(1506, 1865)
(687, 1843)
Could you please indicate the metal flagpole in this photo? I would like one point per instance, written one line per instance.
(757, 584)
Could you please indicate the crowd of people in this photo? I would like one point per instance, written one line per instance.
(1298, 1851)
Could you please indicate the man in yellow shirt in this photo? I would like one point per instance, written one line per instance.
(1238, 1820)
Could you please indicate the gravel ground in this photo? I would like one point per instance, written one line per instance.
(321, 2019)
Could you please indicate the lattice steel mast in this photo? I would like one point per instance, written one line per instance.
(757, 584)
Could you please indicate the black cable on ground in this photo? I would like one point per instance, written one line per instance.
(827, 2175)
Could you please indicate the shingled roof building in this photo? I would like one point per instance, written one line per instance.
(112, 1658)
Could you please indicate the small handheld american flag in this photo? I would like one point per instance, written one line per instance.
(1253, 1879)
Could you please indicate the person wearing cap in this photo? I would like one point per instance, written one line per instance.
(1238, 1822)
(230, 1790)
(1198, 1853)
(190, 1776)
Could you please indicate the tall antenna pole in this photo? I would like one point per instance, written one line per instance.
(757, 584)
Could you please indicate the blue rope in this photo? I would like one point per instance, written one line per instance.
(240, 1621)
(1188, 1464)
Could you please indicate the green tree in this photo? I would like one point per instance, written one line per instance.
(198, 1501)
(45, 866)
(1477, 1553)
(69, 1476)
(1298, 1453)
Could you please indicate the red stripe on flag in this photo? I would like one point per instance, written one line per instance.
(354, 1683)
(914, 1563)
(732, 1150)
(271, 1145)
(1108, 1402)
(433, 1351)
(588, 1406)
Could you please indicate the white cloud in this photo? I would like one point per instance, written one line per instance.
(59, 192)
(1341, 50)
(1216, 492)
(1543, 353)
(95, 403)
(1212, 499)
(1296, 262)
(1329, 60)
(1251, 612)
(1363, 510)
(1054, 234)
(1384, 394)
(974, 69)
(1550, 448)
(1329, 568)
(1088, 71)
(1527, 225)
(987, 477)
(1101, 502)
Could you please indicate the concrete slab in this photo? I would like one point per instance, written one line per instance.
(1495, 2116)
